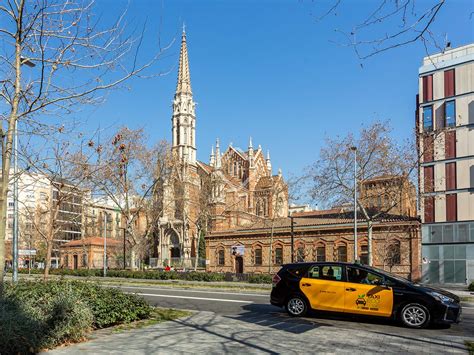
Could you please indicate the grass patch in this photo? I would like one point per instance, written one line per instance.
(470, 347)
(467, 299)
(158, 315)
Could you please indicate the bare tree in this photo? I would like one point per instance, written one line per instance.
(131, 175)
(387, 25)
(72, 57)
(63, 170)
(331, 178)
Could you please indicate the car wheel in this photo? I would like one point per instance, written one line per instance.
(296, 306)
(415, 315)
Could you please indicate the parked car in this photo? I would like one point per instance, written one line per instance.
(358, 289)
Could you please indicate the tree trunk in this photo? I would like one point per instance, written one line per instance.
(47, 263)
(369, 241)
(133, 257)
(197, 249)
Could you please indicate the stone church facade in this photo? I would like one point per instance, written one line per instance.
(235, 188)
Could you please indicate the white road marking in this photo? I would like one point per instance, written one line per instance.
(192, 291)
(193, 298)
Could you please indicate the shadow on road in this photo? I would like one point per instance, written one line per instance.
(271, 316)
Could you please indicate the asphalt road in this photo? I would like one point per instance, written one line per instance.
(255, 308)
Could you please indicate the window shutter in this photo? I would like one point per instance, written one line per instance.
(428, 175)
(429, 209)
(450, 176)
(451, 207)
(450, 144)
(428, 148)
(449, 83)
(427, 88)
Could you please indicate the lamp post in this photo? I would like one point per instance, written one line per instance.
(29, 63)
(105, 244)
(354, 149)
(292, 240)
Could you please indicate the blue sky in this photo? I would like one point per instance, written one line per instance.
(269, 70)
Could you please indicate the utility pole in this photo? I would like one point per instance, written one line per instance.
(105, 244)
(354, 149)
(292, 241)
(15, 204)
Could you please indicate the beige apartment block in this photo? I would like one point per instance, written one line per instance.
(445, 129)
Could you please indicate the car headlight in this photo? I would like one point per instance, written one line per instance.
(442, 298)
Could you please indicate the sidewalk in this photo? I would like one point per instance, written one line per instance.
(208, 333)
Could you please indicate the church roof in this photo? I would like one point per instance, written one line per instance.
(184, 77)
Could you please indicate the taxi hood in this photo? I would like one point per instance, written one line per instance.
(439, 290)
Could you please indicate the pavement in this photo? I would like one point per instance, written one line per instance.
(234, 322)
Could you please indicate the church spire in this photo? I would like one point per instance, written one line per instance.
(184, 78)
(184, 117)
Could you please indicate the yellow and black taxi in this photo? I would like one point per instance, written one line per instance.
(362, 290)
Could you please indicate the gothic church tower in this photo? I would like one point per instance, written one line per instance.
(184, 118)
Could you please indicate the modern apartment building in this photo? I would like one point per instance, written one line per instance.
(445, 132)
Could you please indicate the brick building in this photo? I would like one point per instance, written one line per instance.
(319, 235)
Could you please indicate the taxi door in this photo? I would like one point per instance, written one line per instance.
(324, 287)
(363, 295)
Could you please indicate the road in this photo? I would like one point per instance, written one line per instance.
(236, 323)
(255, 308)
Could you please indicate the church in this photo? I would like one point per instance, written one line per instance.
(234, 189)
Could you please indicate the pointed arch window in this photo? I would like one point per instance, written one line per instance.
(278, 255)
(300, 254)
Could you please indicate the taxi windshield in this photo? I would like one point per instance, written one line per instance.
(392, 276)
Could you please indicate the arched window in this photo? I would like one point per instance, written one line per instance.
(178, 133)
(342, 253)
(278, 255)
(393, 254)
(321, 253)
(258, 255)
(300, 254)
(220, 257)
(364, 254)
(259, 208)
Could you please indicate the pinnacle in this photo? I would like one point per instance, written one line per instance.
(184, 77)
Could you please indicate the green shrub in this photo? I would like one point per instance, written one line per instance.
(471, 286)
(37, 315)
(260, 279)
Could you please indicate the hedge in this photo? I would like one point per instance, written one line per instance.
(471, 286)
(40, 315)
(155, 275)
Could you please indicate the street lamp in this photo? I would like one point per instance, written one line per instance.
(30, 64)
(354, 149)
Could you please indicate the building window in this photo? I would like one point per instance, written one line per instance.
(427, 88)
(451, 208)
(450, 176)
(258, 256)
(428, 118)
(279, 255)
(450, 144)
(428, 175)
(220, 257)
(393, 255)
(300, 254)
(342, 253)
(428, 205)
(449, 83)
(364, 254)
(450, 113)
(321, 253)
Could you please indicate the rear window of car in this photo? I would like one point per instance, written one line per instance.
(297, 270)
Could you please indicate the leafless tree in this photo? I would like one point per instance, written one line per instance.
(73, 58)
(389, 24)
(331, 178)
(131, 175)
